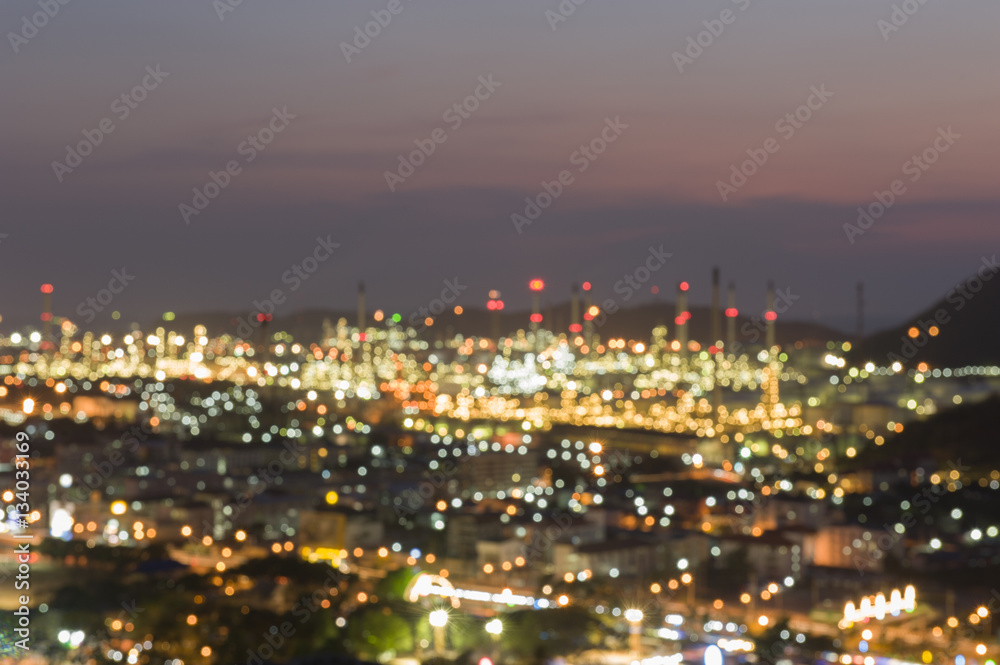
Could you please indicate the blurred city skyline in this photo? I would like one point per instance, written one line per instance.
(226, 73)
(551, 332)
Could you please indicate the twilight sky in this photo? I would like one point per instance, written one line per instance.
(656, 184)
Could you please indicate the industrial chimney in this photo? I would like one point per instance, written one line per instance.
(716, 310)
(731, 314)
(771, 316)
(47, 341)
(361, 308)
(861, 311)
(574, 310)
(681, 319)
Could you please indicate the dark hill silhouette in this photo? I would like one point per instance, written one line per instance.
(968, 326)
(966, 435)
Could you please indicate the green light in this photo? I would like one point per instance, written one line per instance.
(168, 316)
(783, 357)
(396, 318)
(116, 315)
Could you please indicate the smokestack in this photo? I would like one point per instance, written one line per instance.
(265, 347)
(47, 317)
(716, 310)
(682, 316)
(536, 286)
(770, 315)
(861, 311)
(574, 310)
(361, 307)
(731, 314)
(716, 341)
(588, 320)
(494, 304)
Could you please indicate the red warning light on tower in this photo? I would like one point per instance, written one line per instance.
(684, 286)
(771, 316)
(586, 286)
(732, 312)
(536, 285)
(536, 318)
(46, 288)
